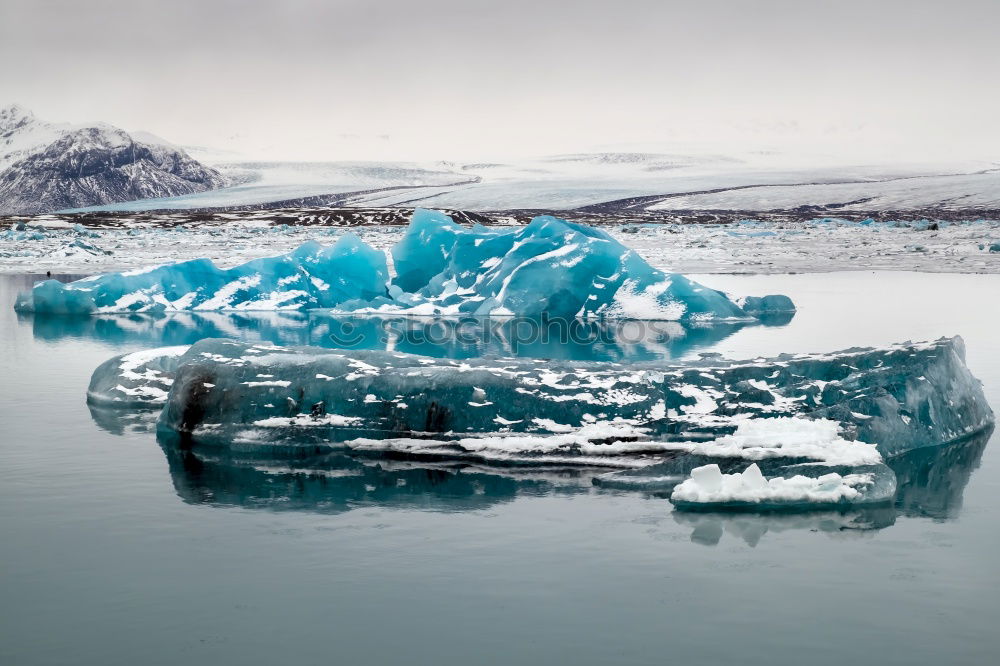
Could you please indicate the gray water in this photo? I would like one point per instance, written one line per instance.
(115, 550)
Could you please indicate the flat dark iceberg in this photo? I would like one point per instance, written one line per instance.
(797, 429)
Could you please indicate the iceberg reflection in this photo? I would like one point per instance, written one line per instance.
(708, 529)
(932, 481)
(442, 337)
(337, 482)
(931, 484)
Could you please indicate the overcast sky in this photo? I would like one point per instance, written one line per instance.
(465, 79)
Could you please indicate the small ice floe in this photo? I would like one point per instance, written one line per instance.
(768, 463)
(709, 486)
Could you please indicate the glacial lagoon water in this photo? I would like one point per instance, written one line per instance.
(117, 550)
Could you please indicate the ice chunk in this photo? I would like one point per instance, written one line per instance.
(708, 478)
(773, 304)
(753, 479)
(549, 268)
(708, 486)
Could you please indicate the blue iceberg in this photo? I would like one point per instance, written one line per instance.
(348, 273)
(549, 268)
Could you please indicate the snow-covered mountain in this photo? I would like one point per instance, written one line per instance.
(48, 166)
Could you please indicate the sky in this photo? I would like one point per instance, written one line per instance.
(877, 80)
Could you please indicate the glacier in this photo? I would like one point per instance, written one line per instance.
(548, 268)
(826, 424)
(737, 182)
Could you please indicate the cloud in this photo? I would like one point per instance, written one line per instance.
(446, 79)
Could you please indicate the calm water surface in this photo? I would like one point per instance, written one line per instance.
(115, 550)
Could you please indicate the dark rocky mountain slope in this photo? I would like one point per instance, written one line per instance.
(51, 167)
